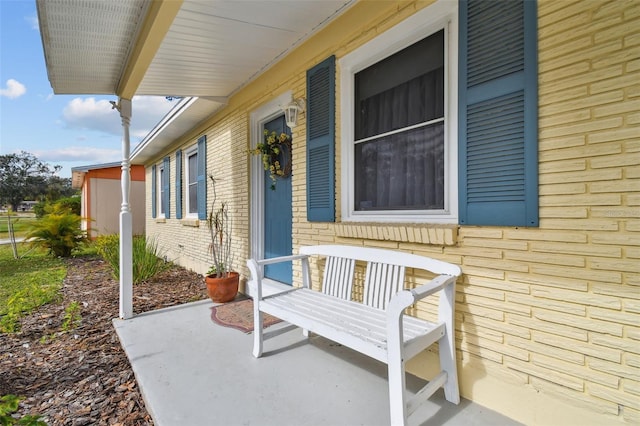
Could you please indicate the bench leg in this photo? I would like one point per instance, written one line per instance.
(447, 345)
(395, 364)
(397, 396)
(257, 330)
(448, 364)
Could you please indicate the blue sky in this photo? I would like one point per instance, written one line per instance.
(65, 130)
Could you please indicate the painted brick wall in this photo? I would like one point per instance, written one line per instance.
(553, 310)
(186, 240)
(548, 319)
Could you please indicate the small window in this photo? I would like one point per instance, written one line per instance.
(191, 184)
(162, 176)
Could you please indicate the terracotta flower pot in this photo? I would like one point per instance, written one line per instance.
(223, 289)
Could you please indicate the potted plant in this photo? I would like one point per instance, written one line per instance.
(274, 151)
(222, 282)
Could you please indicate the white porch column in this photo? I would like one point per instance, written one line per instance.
(126, 232)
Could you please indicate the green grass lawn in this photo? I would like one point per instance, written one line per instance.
(21, 223)
(27, 283)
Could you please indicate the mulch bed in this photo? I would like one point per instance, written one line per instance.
(83, 377)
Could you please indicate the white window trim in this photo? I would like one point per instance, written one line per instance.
(185, 156)
(441, 15)
(159, 190)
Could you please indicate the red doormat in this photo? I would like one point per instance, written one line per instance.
(239, 315)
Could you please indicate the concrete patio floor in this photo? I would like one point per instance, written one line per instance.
(192, 371)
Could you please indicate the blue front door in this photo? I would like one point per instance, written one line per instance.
(278, 215)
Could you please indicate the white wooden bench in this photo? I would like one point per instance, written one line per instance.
(377, 327)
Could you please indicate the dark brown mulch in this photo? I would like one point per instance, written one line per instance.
(82, 376)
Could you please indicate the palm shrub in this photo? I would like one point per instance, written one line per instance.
(58, 231)
(147, 257)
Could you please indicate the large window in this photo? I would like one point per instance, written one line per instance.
(399, 122)
(191, 183)
(399, 130)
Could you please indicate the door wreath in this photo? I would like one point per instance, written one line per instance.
(275, 152)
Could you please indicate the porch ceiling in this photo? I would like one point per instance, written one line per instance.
(204, 48)
(86, 44)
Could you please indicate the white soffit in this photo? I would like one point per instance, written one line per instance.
(215, 47)
(87, 42)
(212, 48)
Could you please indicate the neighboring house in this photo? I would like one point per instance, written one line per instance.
(101, 197)
(27, 206)
(499, 136)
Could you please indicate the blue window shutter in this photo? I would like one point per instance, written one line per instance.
(321, 141)
(179, 184)
(498, 113)
(201, 187)
(154, 189)
(166, 187)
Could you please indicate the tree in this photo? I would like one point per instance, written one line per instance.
(57, 188)
(23, 176)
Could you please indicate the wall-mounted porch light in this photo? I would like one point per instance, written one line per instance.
(291, 111)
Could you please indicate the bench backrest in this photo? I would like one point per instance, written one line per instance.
(338, 277)
(381, 282)
(385, 271)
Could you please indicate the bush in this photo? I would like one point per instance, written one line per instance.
(71, 203)
(59, 232)
(108, 248)
(147, 261)
(40, 208)
(68, 203)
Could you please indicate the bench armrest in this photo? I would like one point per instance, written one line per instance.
(280, 259)
(405, 298)
(257, 273)
(436, 284)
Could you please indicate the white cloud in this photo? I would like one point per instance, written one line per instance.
(85, 154)
(14, 89)
(89, 114)
(147, 112)
(33, 21)
(98, 115)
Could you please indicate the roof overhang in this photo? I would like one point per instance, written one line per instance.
(193, 48)
(78, 173)
(204, 51)
(87, 45)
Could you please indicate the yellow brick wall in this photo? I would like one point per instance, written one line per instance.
(186, 241)
(548, 318)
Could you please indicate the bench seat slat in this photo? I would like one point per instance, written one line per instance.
(412, 326)
(336, 315)
(329, 312)
(353, 313)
